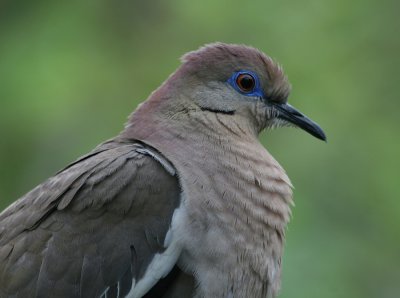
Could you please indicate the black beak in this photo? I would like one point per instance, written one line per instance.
(290, 114)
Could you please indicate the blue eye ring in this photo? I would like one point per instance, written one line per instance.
(254, 91)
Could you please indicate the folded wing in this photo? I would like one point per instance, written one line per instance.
(93, 228)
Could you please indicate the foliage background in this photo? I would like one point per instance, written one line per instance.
(71, 72)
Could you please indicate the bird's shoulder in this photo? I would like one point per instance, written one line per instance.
(95, 180)
(112, 206)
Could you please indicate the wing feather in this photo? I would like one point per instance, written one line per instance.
(91, 229)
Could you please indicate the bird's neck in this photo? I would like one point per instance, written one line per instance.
(218, 152)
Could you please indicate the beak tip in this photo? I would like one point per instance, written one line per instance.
(319, 134)
(323, 137)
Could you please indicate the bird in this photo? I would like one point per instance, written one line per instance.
(184, 202)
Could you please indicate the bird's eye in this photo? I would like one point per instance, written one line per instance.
(245, 82)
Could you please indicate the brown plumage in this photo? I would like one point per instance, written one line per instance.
(185, 201)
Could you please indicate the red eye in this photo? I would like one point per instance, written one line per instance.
(245, 82)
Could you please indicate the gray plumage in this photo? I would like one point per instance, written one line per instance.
(77, 233)
(184, 202)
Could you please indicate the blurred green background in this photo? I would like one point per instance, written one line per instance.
(72, 71)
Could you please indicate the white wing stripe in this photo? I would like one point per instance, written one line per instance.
(162, 263)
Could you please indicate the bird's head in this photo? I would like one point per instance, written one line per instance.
(241, 85)
(240, 81)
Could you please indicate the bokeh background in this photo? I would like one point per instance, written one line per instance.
(72, 71)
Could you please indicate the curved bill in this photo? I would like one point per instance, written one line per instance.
(290, 114)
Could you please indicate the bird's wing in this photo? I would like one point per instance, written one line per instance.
(93, 229)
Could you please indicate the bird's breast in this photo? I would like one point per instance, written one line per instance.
(237, 202)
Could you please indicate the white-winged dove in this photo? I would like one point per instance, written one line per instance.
(185, 202)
